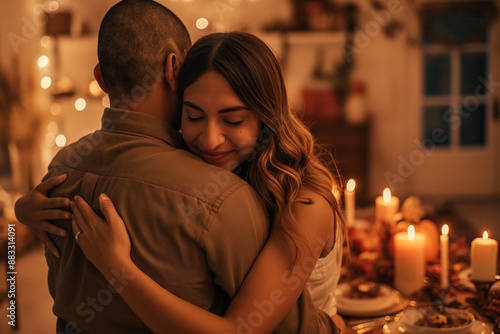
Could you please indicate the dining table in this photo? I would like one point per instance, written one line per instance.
(369, 265)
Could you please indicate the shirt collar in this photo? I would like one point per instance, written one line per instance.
(120, 120)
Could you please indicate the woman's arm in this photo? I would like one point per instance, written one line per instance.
(36, 210)
(267, 294)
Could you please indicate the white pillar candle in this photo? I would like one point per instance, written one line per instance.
(386, 206)
(409, 261)
(444, 243)
(483, 258)
(350, 202)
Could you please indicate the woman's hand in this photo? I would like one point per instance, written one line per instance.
(36, 210)
(105, 243)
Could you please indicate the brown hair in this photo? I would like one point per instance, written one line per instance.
(286, 159)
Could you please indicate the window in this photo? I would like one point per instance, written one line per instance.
(455, 57)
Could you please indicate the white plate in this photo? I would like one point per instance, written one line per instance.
(464, 278)
(478, 327)
(412, 315)
(389, 302)
(384, 300)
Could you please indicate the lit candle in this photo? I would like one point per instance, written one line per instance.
(386, 206)
(483, 258)
(409, 261)
(350, 202)
(444, 256)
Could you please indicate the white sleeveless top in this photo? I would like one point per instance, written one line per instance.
(324, 278)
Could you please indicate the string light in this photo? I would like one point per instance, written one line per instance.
(202, 23)
(105, 101)
(45, 82)
(43, 61)
(94, 88)
(80, 104)
(52, 127)
(45, 41)
(60, 140)
(53, 6)
(55, 109)
(50, 139)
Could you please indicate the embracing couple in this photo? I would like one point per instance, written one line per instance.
(226, 226)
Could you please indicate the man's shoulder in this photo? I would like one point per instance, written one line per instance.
(175, 170)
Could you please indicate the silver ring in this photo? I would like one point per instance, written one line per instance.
(77, 235)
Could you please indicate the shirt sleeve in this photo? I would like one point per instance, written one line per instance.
(237, 233)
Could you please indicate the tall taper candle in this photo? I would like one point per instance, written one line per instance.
(444, 243)
(350, 202)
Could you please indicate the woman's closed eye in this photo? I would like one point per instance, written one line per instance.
(195, 118)
(233, 122)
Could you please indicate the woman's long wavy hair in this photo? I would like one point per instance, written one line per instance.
(286, 159)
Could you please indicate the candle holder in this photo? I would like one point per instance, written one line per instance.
(483, 288)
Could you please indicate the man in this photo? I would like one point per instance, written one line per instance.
(195, 228)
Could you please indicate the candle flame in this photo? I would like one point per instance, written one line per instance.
(387, 195)
(445, 229)
(351, 184)
(411, 232)
(485, 235)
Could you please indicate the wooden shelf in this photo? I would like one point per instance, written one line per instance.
(349, 145)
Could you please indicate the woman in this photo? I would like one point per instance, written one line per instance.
(235, 115)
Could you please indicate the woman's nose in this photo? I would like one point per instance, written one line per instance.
(212, 137)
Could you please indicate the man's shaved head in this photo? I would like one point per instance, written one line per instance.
(135, 38)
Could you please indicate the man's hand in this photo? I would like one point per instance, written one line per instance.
(36, 210)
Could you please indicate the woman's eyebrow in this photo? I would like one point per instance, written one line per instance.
(192, 105)
(222, 111)
(231, 109)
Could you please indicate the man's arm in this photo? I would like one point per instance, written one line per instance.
(237, 233)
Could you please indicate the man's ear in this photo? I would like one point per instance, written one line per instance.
(98, 77)
(172, 68)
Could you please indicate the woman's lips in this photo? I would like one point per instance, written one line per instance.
(212, 157)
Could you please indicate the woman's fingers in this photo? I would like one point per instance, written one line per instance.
(51, 183)
(77, 232)
(108, 209)
(86, 212)
(77, 217)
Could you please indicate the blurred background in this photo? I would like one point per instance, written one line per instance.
(405, 93)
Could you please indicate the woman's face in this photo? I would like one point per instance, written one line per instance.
(216, 124)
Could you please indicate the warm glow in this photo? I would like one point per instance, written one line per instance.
(60, 140)
(411, 232)
(201, 23)
(52, 127)
(50, 139)
(80, 104)
(485, 235)
(55, 109)
(105, 101)
(53, 6)
(445, 229)
(94, 88)
(387, 195)
(43, 61)
(351, 184)
(45, 82)
(45, 41)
